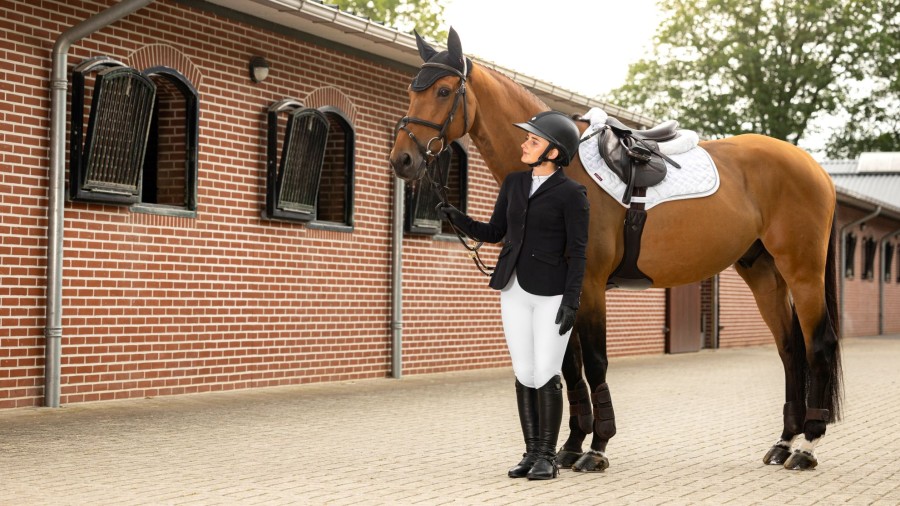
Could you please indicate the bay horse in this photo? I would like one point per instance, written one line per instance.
(772, 218)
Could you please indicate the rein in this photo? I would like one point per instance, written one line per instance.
(437, 166)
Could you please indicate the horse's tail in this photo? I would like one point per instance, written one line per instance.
(827, 335)
(832, 331)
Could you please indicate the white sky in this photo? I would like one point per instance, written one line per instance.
(558, 41)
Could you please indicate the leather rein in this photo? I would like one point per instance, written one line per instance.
(434, 172)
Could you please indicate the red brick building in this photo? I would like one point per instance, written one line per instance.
(177, 275)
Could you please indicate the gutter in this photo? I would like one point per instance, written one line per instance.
(57, 179)
(843, 255)
(397, 280)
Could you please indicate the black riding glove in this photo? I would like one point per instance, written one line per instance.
(450, 213)
(565, 317)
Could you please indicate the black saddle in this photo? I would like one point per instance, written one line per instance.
(634, 155)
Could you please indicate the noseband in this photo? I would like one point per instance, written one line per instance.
(426, 149)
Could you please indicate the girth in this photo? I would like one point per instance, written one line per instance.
(634, 156)
(627, 275)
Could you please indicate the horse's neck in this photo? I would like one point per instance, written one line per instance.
(501, 102)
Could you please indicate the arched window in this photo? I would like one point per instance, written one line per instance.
(141, 141)
(850, 254)
(422, 216)
(170, 163)
(870, 247)
(335, 201)
(313, 178)
(886, 261)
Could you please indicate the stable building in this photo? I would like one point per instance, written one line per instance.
(196, 197)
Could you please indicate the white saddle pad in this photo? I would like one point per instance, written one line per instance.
(696, 178)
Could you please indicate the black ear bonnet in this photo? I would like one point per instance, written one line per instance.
(428, 75)
(452, 57)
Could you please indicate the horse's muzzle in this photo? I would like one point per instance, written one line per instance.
(407, 166)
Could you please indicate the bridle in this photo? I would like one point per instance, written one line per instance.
(438, 161)
(426, 149)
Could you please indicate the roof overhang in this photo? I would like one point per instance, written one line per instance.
(329, 23)
(864, 202)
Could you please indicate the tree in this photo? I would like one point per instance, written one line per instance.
(425, 16)
(874, 111)
(724, 67)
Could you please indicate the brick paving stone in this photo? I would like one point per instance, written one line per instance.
(692, 429)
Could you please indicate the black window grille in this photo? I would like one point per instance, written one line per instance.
(870, 247)
(107, 166)
(850, 254)
(422, 216)
(887, 261)
(293, 181)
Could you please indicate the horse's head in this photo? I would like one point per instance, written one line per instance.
(440, 110)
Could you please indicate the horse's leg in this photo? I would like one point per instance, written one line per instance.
(773, 299)
(810, 274)
(580, 420)
(591, 327)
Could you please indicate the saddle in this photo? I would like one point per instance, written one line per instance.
(634, 155)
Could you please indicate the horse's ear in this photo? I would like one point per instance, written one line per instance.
(454, 47)
(425, 50)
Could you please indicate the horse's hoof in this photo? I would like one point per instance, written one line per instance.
(801, 461)
(567, 458)
(591, 461)
(777, 455)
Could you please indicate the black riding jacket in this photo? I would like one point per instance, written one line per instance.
(544, 236)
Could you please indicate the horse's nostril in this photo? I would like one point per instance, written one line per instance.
(405, 160)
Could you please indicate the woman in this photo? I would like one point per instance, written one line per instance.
(542, 217)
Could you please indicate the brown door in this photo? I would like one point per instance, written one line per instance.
(683, 319)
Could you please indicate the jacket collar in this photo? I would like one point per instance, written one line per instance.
(555, 179)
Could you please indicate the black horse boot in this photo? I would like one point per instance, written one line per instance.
(550, 411)
(526, 399)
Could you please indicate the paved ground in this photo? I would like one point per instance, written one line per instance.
(692, 430)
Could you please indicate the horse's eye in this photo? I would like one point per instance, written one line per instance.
(444, 92)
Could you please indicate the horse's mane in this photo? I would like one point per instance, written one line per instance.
(526, 93)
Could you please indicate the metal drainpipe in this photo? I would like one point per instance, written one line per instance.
(881, 244)
(397, 280)
(842, 267)
(714, 324)
(56, 206)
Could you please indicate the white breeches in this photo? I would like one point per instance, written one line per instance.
(532, 334)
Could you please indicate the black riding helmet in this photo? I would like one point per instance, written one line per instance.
(559, 130)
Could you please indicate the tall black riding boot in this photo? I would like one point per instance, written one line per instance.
(526, 399)
(550, 411)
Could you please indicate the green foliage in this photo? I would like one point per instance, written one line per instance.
(426, 16)
(875, 110)
(725, 67)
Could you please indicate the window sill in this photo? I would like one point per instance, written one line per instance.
(163, 210)
(330, 226)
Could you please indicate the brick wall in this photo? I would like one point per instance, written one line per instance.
(160, 305)
(739, 319)
(861, 294)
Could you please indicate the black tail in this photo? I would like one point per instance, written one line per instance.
(833, 320)
(829, 333)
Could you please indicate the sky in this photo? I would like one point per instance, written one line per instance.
(583, 46)
(570, 43)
